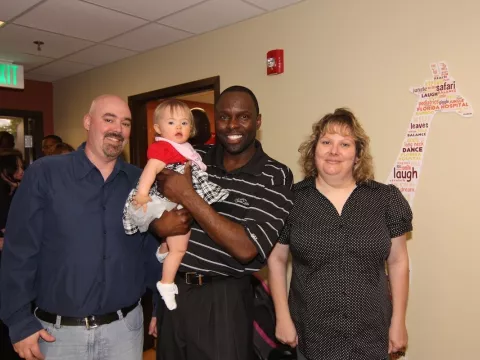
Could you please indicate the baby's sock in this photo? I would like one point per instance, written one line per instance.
(168, 291)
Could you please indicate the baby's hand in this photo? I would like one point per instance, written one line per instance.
(141, 201)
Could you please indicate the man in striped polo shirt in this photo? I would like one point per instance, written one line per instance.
(230, 240)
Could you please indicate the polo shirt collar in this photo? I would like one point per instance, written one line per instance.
(83, 165)
(254, 166)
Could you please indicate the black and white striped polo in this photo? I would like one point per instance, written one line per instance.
(260, 199)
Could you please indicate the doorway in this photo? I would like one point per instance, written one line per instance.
(27, 128)
(200, 94)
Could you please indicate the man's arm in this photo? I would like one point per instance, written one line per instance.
(23, 237)
(243, 241)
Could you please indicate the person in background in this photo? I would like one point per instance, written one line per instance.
(48, 144)
(342, 231)
(11, 173)
(62, 148)
(7, 141)
(230, 239)
(202, 126)
(66, 250)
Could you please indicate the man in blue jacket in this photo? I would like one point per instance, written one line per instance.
(67, 253)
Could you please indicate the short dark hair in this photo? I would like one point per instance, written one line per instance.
(202, 126)
(239, 88)
(60, 148)
(55, 138)
(7, 140)
(9, 164)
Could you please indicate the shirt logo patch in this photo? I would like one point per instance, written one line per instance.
(241, 201)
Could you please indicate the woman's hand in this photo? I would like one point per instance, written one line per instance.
(397, 338)
(286, 333)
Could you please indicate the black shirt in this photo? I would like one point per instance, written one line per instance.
(5, 200)
(339, 296)
(65, 245)
(260, 199)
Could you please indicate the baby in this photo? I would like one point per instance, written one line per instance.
(173, 121)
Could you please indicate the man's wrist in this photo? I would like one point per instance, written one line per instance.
(188, 198)
(23, 329)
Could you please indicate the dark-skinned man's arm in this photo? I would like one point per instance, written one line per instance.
(233, 237)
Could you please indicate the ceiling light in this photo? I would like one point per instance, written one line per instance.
(2, 23)
(39, 45)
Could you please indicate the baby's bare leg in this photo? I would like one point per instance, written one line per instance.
(177, 246)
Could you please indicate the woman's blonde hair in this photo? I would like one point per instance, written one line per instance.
(174, 105)
(347, 122)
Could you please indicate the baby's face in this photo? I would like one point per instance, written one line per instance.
(174, 126)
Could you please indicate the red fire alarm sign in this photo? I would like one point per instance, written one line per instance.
(275, 62)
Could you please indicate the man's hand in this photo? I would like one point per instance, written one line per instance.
(28, 348)
(152, 328)
(2, 239)
(172, 223)
(173, 185)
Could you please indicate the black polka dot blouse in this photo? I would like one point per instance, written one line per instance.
(339, 296)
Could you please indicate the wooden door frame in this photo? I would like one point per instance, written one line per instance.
(37, 130)
(137, 104)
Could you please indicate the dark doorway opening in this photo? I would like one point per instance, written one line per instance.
(30, 131)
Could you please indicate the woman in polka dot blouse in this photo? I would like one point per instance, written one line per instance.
(344, 228)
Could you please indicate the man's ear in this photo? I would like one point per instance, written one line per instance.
(87, 119)
(259, 121)
(156, 128)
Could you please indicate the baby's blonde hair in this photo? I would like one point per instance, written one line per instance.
(175, 106)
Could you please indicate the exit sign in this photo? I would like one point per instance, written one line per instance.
(11, 75)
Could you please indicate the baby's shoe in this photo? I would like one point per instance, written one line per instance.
(168, 291)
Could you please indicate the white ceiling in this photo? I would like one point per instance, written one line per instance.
(79, 35)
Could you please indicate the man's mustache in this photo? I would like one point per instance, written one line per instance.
(115, 136)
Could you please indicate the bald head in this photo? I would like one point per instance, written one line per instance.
(108, 124)
(100, 101)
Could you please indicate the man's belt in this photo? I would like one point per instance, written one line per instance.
(90, 322)
(193, 278)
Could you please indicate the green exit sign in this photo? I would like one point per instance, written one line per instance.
(11, 75)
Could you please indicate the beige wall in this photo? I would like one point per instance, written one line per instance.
(365, 55)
